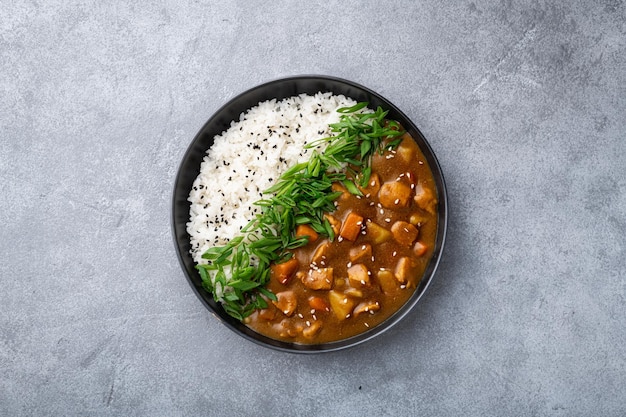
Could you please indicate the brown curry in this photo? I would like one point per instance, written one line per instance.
(332, 290)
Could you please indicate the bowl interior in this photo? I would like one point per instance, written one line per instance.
(219, 122)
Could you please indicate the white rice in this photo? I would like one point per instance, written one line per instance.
(247, 158)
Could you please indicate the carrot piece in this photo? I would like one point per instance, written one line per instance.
(284, 272)
(318, 303)
(351, 226)
(306, 230)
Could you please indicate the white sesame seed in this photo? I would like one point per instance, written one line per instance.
(388, 220)
(349, 264)
(362, 282)
(308, 323)
(396, 201)
(394, 253)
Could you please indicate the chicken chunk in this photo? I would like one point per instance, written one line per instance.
(321, 253)
(405, 270)
(358, 275)
(372, 187)
(425, 199)
(405, 150)
(286, 302)
(318, 278)
(312, 329)
(394, 194)
(360, 253)
(366, 307)
(404, 233)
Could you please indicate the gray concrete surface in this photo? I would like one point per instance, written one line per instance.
(523, 102)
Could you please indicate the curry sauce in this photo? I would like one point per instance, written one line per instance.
(384, 240)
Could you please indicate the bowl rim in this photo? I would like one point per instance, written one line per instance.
(194, 146)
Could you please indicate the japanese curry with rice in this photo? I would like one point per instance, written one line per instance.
(344, 239)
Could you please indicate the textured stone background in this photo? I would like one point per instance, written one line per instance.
(523, 102)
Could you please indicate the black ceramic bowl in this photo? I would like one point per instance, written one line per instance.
(219, 122)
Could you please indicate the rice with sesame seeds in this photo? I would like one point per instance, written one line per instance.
(248, 157)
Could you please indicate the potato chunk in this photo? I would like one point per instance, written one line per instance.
(318, 279)
(286, 302)
(394, 194)
(404, 233)
(358, 275)
(341, 304)
(360, 253)
(418, 219)
(377, 233)
(387, 280)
